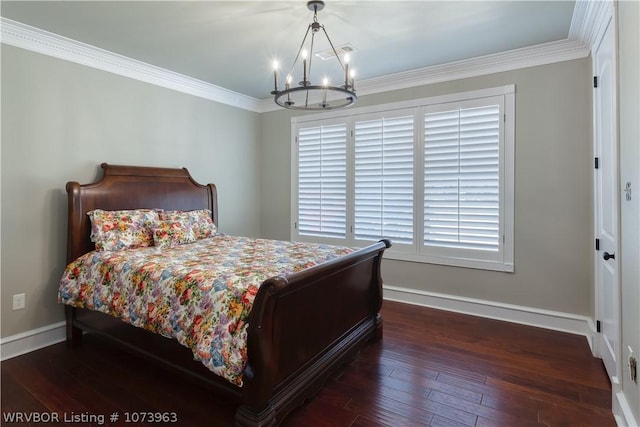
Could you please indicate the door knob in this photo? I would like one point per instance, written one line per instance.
(607, 256)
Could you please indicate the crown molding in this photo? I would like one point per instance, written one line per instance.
(542, 54)
(547, 53)
(36, 40)
(589, 20)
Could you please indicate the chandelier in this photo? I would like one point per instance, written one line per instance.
(309, 95)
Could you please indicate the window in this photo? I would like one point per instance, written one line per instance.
(383, 179)
(322, 181)
(433, 175)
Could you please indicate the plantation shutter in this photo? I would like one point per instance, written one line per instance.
(384, 179)
(462, 178)
(322, 171)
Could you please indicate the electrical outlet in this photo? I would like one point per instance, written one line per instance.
(18, 301)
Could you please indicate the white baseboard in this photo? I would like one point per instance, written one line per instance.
(29, 341)
(622, 411)
(35, 339)
(555, 320)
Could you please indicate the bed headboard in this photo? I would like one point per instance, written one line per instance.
(132, 187)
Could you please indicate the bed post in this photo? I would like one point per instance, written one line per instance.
(245, 417)
(74, 334)
(257, 410)
(377, 299)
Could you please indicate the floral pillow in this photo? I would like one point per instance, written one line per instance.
(168, 234)
(126, 229)
(200, 220)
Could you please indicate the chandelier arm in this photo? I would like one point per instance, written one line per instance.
(293, 66)
(313, 38)
(333, 48)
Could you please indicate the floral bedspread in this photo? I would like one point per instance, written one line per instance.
(199, 293)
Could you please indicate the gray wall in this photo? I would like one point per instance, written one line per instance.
(60, 121)
(553, 200)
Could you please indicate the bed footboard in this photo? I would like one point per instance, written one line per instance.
(294, 345)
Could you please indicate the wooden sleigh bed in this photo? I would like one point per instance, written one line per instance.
(301, 328)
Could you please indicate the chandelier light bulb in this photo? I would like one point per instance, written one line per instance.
(304, 68)
(275, 77)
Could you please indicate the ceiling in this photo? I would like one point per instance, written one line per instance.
(232, 44)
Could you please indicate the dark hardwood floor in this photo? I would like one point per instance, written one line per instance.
(432, 368)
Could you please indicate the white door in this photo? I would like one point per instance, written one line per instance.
(606, 200)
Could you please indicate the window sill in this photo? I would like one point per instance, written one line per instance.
(451, 262)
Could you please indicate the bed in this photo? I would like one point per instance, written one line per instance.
(301, 327)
